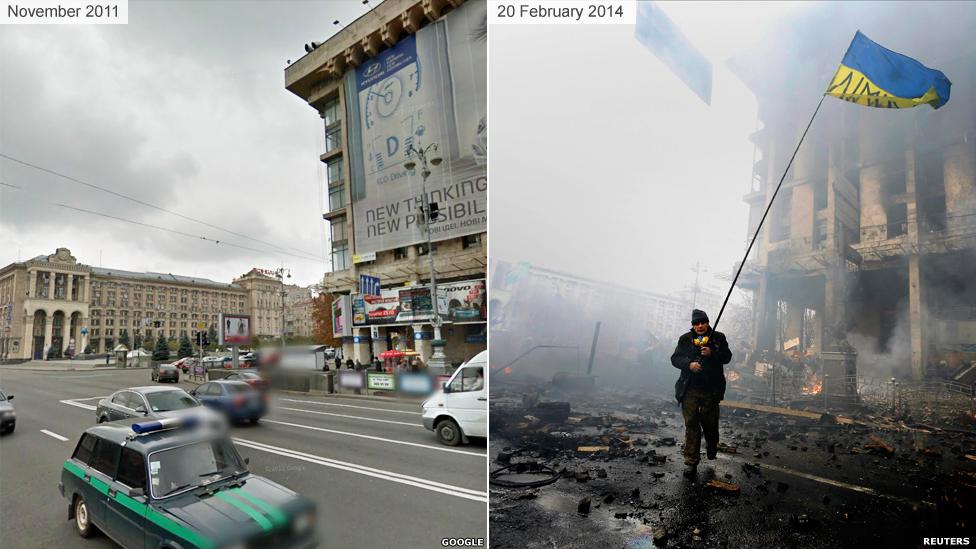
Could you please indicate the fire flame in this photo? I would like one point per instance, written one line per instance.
(733, 375)
(813, 386)
(507, 370)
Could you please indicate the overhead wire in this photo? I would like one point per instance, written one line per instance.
(174, 231)
(167, 229)
(154, 206)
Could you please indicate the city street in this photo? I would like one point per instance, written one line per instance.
(379, 478)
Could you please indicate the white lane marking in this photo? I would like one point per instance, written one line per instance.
(53, 435)
(381, 439)
(350, 406)
(78, 404)
(415, 424)
(837, 483)
(456, 491)
(89, 398)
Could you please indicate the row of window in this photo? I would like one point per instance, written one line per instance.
(342, 256)
(97, 313)
(109, 332)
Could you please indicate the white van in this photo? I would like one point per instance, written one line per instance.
(460, 409)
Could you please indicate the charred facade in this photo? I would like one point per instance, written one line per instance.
(870, 247)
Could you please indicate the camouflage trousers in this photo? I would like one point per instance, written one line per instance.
(700, 411)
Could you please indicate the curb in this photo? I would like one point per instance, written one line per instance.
(375, 398)
(324, 394)
(42, 369)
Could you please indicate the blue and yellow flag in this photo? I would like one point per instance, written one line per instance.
(874, 76)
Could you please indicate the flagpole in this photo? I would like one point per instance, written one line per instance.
(766, 213)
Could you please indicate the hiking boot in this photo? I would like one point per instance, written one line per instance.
(710, 453)
(691, 470)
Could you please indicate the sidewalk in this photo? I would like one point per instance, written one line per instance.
(314, 393)
(64, 366)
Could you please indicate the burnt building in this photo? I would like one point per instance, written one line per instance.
(870, 247)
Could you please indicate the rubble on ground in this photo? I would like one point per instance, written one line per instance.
(616, 457)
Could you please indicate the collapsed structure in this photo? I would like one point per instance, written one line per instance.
(868, 252)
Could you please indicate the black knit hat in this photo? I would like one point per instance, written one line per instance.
(698, 315)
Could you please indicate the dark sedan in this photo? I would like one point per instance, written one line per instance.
(237, 399)
(145, 402)
(166, 372)
(8, 417)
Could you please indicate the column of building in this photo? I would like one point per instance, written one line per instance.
(916, 310)
(361, 343)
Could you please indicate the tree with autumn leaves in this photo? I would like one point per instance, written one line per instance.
(322, 320)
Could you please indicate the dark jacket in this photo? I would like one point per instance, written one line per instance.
(712, 366)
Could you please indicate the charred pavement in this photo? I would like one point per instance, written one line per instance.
(605, 471)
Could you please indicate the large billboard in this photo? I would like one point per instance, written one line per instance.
(459, 302)
(466, 301)
(395, 306)
(235, 329)
(429, 88)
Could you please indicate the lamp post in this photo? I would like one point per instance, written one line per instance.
(281, 274)
(437, 360)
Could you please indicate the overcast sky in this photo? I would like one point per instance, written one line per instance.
(185, 108)
(606, 165)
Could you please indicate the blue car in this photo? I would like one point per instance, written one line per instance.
(237, 399)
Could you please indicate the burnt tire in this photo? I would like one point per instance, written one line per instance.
(448, 432)
(83, 524)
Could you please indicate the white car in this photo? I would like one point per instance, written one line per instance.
(460, 409)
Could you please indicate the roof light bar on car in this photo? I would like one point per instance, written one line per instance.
(163, 424)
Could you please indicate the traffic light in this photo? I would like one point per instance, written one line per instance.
(206, 339)
(434, 210)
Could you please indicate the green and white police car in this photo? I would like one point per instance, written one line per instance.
(173, 483)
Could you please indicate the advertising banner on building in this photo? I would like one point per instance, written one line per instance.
(341, 307)
(396, 306)
(467, 301)
(429, 88)
(235, 329)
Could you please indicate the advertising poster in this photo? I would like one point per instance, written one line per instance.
(235, 329)
(384, 382)
(415, 383)
(467, 301)
(429, 88)
(396, 306)
(340, 317)
(349, 379)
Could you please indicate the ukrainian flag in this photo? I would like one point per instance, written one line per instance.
(874, 76)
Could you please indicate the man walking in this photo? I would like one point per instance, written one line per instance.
(700, 354)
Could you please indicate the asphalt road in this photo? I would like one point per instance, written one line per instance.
(380, 479)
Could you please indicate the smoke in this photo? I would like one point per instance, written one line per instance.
(544, 325)
(885, 356)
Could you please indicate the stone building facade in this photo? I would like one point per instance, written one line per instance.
(54, 302)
